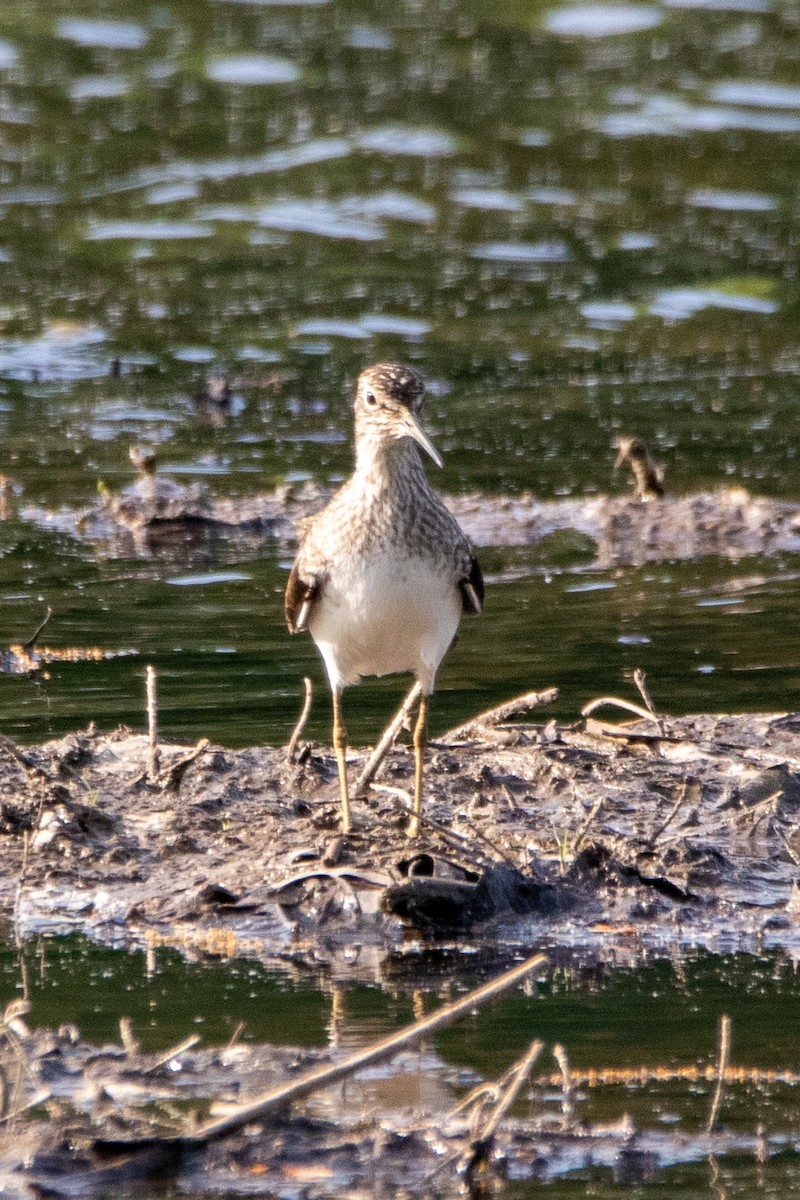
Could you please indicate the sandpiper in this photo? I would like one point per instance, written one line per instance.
(648, 474)
(384, 572)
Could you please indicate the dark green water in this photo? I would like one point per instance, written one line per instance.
(574, 225)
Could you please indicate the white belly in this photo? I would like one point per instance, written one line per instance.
(390, 615)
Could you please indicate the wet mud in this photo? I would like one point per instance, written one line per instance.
(597, 839)
(669, 833)
(622, 529)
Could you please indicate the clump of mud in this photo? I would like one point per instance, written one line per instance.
(667, 830)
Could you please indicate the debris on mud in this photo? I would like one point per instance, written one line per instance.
(668, 829)
(626, 530)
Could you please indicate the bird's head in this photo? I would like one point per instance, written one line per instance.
(388, 404)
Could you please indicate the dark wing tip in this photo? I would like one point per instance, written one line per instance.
(472, 589)
(297, 601)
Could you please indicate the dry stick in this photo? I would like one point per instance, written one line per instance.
(324, 1076)
(175, 772)
(186, 1044)
(33, 639)
(640, 679)
(691, 1073)
(481, 1145)
(589, 708)
(793, 855)
(567, 1090)
(301, 720)
(584, 829)
(722, 1064)
(673, 812)
(39, 1098)
(493, 716)
(28, 765)
(153, 764)
(449, 835)
(23, 871)
(388, 739)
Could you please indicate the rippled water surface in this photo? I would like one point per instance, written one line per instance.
(576, 220)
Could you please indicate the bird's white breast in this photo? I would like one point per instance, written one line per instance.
(388, 614)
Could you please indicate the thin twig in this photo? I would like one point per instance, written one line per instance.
(482, 1144)
(39, 1098)
(153, 764)
(640, 679)
(301, 720)
(130, 1042)
(186, 1044)
(23, 870)
(567, 1090)
(584, 829)
(722, 1065)
(637, 709)
(296, 1089)
(388, 738)
(33, 639)
(793, 855)
(171, 777)
(450, 835)
(673, 812)
(493, 716)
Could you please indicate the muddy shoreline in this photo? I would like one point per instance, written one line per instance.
(605, 530)
(536, 835)
(595, 842)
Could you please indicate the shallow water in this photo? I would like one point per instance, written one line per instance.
(576, 220)
(651, 1014)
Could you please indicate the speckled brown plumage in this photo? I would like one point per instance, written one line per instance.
(384, 572)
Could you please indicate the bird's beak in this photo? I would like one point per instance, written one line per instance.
(621, 456)
(411, 428)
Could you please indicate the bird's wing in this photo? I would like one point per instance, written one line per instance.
(302, 591)
(471, 588)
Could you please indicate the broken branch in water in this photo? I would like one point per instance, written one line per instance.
(301, 720)
(481, 1146)
(31, 642)
(296, 1089)
(494, 716)
(722, 1066)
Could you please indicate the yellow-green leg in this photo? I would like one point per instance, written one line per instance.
(340, 750)
(420, 742)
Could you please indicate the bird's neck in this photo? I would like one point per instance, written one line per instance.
(384, 462)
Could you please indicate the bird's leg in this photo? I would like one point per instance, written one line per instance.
(339, 749)
(420, 742)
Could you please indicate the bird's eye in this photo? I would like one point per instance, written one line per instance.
(370, 398)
